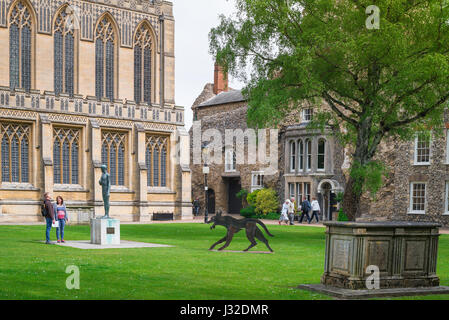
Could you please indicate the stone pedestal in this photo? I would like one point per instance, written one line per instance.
(104, 231)
(405, 253)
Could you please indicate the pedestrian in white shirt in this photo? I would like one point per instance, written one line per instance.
(315, 209)
(291, 211)
(284, 212)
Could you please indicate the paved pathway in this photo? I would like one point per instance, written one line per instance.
(124, 244)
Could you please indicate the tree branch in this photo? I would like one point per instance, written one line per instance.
(420, 115)
(328, 98)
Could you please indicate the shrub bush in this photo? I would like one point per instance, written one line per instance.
(266, 201)
(242, 194)
(342, 216)
(251, 198)
(248, 212)
(270, 216)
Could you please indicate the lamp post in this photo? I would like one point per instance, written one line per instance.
(205, 150)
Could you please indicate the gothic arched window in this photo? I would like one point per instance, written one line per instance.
(105, 39)
(64, 53)
(142, 64)
(156, 160)
(20, 46)
(113, 156)
(15, 152)
(66, 155)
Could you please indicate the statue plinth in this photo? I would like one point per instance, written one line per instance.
(104, 231)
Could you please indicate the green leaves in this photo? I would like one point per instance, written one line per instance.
(368, 177)
(367, 84)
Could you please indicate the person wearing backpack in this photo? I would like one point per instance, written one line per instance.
(305, 208)
(48, 213)
(61, 216)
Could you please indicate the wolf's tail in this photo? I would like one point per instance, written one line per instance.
(263, 226)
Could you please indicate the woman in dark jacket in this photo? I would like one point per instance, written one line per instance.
(61, 216)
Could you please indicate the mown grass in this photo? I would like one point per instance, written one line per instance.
(30, 269)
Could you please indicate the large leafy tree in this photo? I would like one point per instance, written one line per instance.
(369, 84)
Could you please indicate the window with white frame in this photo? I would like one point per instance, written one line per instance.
(291, 190)
(301, 155)
(422, 148)
(309, 154)
(298, 194)
(292, 156)
(321, 154)
(256, 181)
(307, 114)
(230, 161)
(418, 197)
(307, 190)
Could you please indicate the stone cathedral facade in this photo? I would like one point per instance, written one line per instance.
(85, 83)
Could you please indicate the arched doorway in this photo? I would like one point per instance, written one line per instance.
(327, 193)
(211, 201)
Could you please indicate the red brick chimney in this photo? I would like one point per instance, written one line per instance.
(220, 80)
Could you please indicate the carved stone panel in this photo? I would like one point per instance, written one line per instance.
(341, 254)
(415, 255)
(378, 252)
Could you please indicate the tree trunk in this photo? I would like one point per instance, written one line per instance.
(362, 156)
(351, 201)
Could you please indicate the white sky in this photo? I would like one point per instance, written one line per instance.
(194, 65)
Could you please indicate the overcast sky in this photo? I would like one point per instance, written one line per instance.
(194, 65)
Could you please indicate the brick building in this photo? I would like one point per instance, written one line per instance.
(418, 184)
(220, 107)
(313, 164)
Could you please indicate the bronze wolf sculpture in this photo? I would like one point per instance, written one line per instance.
(234, 225)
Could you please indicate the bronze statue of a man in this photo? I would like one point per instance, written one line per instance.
(105, 183)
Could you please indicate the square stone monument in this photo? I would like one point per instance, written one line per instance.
(105, 231)
(404, 253)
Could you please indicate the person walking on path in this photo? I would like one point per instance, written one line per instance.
(315, 209)
(61, 215)
(291, 211)
(49, 214)
(196, 206)
(284, 212)
(305, 208)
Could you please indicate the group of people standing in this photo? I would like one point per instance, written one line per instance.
(288, 211)
(55, 214)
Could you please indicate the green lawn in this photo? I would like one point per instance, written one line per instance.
(30, 269)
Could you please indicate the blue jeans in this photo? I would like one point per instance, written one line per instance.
(60, 230)
(48, 228)
(306, 214)
(315, 214)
